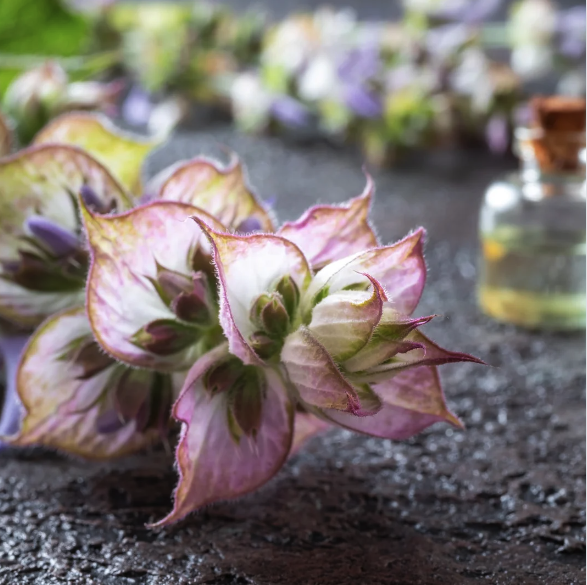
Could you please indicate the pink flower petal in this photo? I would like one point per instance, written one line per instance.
(315, 375)
(62, 404)
(412, 400)
(247, 267)
(212, 465)
(343, 322)
(326, 233)
(125, 251)
(222, 192)
(400, 268)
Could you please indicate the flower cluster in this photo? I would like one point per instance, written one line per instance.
(193, 308)
(420, 82)
(428, 79)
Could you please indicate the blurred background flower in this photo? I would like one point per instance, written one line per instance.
(439, 73)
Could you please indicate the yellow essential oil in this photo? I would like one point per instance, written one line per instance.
(532, 225)
(535, 279)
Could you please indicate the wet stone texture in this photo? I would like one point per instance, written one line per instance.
(502, 503)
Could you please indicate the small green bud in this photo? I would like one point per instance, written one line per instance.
(223, 376)
(171, 284)
(274, 317)
(258, 307)
(263, 345)
(246, 400)
(164, 337)
(290, 294)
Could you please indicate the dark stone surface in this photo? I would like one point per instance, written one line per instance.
(501, 503)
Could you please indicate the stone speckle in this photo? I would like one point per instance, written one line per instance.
(501, 503)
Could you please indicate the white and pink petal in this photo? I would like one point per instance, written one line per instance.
(343, 322)
(399, 268)
(317, 379)
(63, 401)
(247, 267)
(213, 465)
(412, 401)
(126, 251)
(326, 233)
(220, 191)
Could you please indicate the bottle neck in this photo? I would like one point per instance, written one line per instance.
(551, 163)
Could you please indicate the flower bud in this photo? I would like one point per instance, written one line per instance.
(56, 239)
(131, 392)
(33, 98)
(246, 401)
(290, 294)
(263, 345)
(155, 411)
(94, 203)
(274, 317)
(37, 273)
(171, 284)
(223, 376)
(258, 307)
(87, 354)
(92, 359)
(192, 308)
(164, 337)
(109, 422)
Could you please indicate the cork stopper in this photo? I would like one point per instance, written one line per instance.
(557, 133)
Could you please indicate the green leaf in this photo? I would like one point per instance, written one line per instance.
(41, 27)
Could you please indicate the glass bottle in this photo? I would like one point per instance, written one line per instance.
(532, 229)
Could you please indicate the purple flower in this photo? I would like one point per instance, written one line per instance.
(290, 111)
(137, 107)
(571, 28)
(363, 102)
(470, 12)
(57, 239)
(10, 351)
(360, 64)
(497, 134)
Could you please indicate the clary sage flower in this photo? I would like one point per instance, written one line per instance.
(104, 408)
(306, 327)
(44, 264)
(270, 336)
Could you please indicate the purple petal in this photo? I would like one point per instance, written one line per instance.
(90, 198)
(360, 64)
(471, 12)
(11, 350)
(137, 107)
(59, 240)
(109, 422)
(251, 224)
(497, 134)
(363, 102)
(571, 28)
(290, 111)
